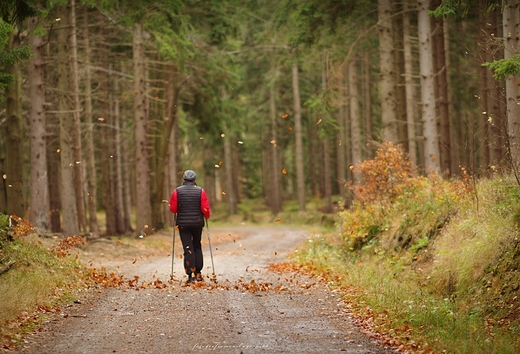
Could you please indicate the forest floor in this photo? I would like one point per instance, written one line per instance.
(247, 307)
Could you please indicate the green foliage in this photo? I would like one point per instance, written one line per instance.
(436, 269)
(460, 8)
(16, 11)
(504, 68)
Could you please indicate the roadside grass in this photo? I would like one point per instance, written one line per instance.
(437, 268)
(36, 283)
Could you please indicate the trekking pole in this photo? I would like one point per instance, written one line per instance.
(173, 246)
(210, 251)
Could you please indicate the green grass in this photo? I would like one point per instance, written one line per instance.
(454, 287)
(37, 282)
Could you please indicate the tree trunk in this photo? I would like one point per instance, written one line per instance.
(431, 142)
(171, 118)
(300, 177)
(16, 203)
(442, 95)
(409, 87)
(327, 171)
(387, 65)
(117, 161)
(275, 195)
(89, 142)
(367, 106)
(67, 161)
(511, 19)
(355, 124)
(76, 134)
(142, 175)
(39, 195)
(340, 153)
(497, 124)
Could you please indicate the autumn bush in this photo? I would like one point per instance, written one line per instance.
(433, 262)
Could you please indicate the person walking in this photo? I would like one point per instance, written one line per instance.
(191, 205)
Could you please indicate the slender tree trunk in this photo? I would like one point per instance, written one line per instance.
(497, 124)
(483, 91)
(409, 87)
(355, 124)
(171, 117)
(387, 65)
(275, 195)
(143, 205)
(117, 176)
(16, 202)
(39, 195)
(431, 142)
(76, 136)
(442, 95)
(511, 19)
(327, 171)
(400, 88)
(340, 153)
(67, 128)
(367, 105)
(300, 178)
(91, 174)
(172, 158)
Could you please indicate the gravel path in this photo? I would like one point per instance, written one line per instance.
(244, 309)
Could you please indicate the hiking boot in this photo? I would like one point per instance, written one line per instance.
(190, 280)
(198, 277)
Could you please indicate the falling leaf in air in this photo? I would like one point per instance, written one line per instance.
(135, 260)
(284, 171)
(289, 128)
(318, 122)
(285, 115)
(164, 201)
(277, 220)
(101, 119)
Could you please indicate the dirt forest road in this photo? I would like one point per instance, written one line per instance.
(247, 309)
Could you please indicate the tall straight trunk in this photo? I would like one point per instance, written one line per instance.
(409, 88)
(67, 128)
(275, 195)
(228, 166)
(431, 141)
(400, 88)
(266, 165)
(16, 202)
(91, 174)
(108, 156)
(300, 178)
(497, 126)
(511, 19)
(340, 153)
(172, 160)
(39, 194)
(127, 185)
(314, 163)
(367, 105)
(171, 117)
(327, 171)
(355, 124)
(76, 136)
(53, 168)
(440, 75)
(117, 174)
(387, 65)
(142, 175)
(483, 95)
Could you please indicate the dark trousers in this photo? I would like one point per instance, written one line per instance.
(190, 238)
